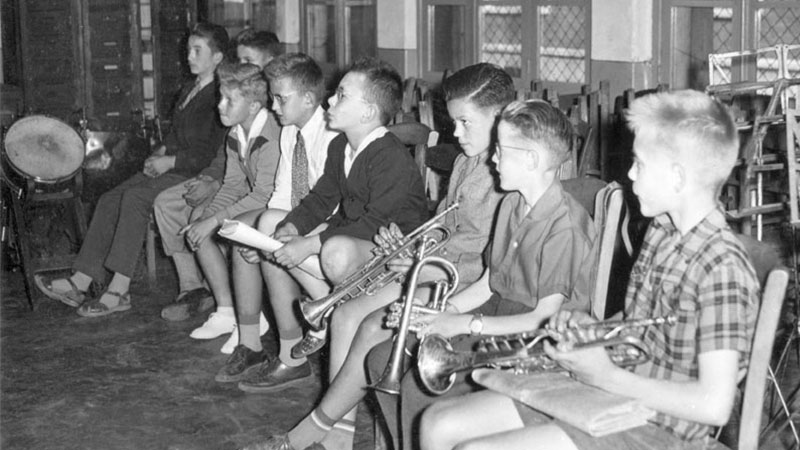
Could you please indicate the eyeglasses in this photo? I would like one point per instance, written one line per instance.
(498, 149)
(281, 99)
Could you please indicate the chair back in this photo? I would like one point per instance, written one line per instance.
(608, 219)
(420, 137)
(760, 356)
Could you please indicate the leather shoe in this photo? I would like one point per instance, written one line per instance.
(309, 345)
(239, 363)
(188, 304)
(274, 376)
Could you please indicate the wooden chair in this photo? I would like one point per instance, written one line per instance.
(420, 138)
(612, 239)
(755, 384)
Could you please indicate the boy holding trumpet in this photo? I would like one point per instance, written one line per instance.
(691, 265)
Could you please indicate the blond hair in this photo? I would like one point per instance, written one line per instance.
(690, 128)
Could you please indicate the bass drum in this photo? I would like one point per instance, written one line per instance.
(44, 149)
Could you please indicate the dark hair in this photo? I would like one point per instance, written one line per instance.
(264, 41)
(304, 72)
(246, 78)
(542, 122)
(215, 35)
(486, 85)
(384, 88)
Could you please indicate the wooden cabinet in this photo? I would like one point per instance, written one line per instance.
(102, 56)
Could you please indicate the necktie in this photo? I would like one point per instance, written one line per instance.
(299, 171)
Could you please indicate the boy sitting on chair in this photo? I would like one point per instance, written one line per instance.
(181, 204)
(475, 95)
(251, 163)
(371, 177)
(297, 87)
(540, 242)
(691, 265)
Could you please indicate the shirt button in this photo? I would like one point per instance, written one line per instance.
(514, 244)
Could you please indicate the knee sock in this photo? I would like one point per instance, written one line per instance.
(343, 432)
(225, 310)
(188, 275)
(288, 339)
(311, 429)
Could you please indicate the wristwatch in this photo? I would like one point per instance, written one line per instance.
(476, 325)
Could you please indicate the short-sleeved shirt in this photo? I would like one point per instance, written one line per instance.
(706, 280)
(538, 253)
(473, 186)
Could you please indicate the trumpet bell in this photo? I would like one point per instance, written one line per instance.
(435, 360)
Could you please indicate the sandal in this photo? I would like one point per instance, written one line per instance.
(98, 309)
(74, 297)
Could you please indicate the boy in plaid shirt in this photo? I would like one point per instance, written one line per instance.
(691, 265)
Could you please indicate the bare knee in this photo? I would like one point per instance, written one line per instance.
(437, 427)
(270, 219)
(342, 255)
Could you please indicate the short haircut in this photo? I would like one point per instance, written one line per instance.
(215, 35)
(544, 123)
(384, 86)
(263, 41)
(486, 85)
(245, 78)
(304, 72)
(690, 128)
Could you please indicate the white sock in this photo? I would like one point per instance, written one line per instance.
(225, 310)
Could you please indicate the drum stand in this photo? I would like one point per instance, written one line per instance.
(23, 199)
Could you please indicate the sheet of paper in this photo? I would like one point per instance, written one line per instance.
(588, 408)
(249, 236)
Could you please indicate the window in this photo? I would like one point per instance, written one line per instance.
(236, 15)
(544, 40)
(696, 28)
(335, 42)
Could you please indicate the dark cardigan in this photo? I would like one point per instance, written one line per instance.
(196, 133)
(384, 186)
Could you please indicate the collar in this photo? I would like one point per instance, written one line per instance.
(547, 204)
(695, 239)
(255, 130)
(316, 122)
(373, 136)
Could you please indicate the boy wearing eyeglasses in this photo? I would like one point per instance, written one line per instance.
(370, 180)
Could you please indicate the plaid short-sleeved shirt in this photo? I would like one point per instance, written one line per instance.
(706, 280)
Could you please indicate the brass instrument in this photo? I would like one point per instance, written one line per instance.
(390, 380)
(374, 275)
(437, 363)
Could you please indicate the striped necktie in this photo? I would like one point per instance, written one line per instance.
(299, 171)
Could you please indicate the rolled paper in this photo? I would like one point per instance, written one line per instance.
(249, 236)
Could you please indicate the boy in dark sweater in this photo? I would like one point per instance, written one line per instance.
(370, 180)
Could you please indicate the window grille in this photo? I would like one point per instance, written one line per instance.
(501, 37)
(777, 26)
(562, 43)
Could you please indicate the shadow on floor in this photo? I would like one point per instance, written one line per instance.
(128, 381)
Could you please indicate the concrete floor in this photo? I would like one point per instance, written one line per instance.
(134, 381)
(128, 381)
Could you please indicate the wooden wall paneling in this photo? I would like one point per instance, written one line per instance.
(52, 57)
(171, 21)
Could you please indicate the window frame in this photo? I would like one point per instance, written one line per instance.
(531, 37)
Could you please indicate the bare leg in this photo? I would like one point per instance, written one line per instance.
(545, 437)
(452, 421)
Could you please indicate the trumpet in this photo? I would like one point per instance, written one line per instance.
(390, 380)
(437, 363)
(374, 275)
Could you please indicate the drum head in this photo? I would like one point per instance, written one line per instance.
(44, 149)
